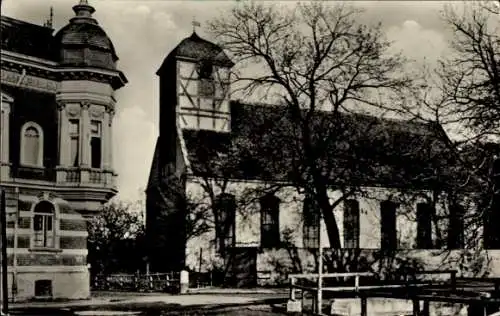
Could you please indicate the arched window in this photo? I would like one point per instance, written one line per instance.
(351, 224)
(425, 213)
(32, 145)
(310, 228)
(225, 213)
(269, 221)
(388, 227)
(43, 225)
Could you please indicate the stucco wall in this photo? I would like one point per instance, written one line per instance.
(290, 218)
(68, 285)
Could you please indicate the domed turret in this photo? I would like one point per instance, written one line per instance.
(83, 42)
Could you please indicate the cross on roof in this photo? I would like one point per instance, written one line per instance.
(195, 24)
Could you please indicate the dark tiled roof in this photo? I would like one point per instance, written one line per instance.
(86, 34)
(82, 34)
(26, 38)
(349, 148)
(198, 49)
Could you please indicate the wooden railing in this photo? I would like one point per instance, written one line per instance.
(410, 280)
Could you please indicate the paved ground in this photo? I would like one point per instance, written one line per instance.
(141, 304)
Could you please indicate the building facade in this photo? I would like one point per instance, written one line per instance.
(221, 194)
(58, 102)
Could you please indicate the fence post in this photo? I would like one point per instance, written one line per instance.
(184, 282)
(292, 305)
(454, 280)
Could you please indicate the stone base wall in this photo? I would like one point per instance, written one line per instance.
(65, 284)
(273, 265)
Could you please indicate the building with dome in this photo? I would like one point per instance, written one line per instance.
(58, 103)
(221, 195)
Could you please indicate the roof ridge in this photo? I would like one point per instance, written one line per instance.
(399, 120)
(29, 24)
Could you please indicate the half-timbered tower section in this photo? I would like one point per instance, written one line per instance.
(58, 103)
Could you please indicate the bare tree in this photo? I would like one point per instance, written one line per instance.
(462, 94)
(470, 76)
(314, 56)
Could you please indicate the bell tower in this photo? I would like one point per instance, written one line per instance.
(194, 87)
(194, 95)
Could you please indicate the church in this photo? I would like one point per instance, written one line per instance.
(58, 102)
(222, 193)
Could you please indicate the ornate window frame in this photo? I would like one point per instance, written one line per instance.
(22, 159)
(55, 226)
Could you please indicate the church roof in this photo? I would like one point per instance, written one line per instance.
(198, 49)
(27, 38)
(349, 147)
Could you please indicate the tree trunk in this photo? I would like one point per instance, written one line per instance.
(330, 221)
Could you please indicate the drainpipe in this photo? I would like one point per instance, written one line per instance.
(3, 223)
(3, 220)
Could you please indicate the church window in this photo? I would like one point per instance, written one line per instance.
(456, 227)
(491, 215)
(269, 226)
(424, 225)
(351, 224)
(225, 212)
(206, 86)
(32, 145)
(43, 225)
(206, 70)
(95, 144)
(388, 225)
(74, 133)
(310, 234)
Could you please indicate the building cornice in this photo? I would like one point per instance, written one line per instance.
(83, 191)
(52, 70)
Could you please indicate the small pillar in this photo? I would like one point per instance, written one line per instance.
(184, 282)
(293, 305)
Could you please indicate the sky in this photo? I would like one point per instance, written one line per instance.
(145, 31)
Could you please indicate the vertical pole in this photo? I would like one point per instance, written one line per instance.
(201, 258)
(416, 307)
(364, 311)
(3, 219)
(319, 300)
(426, 311)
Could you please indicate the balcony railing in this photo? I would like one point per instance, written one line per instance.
(73, 176)
(96, 176)
(33, 173)
(86, 177)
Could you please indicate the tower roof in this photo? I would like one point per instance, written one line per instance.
(195, 48)
(83, 42)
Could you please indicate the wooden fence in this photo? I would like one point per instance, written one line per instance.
(152, 282)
